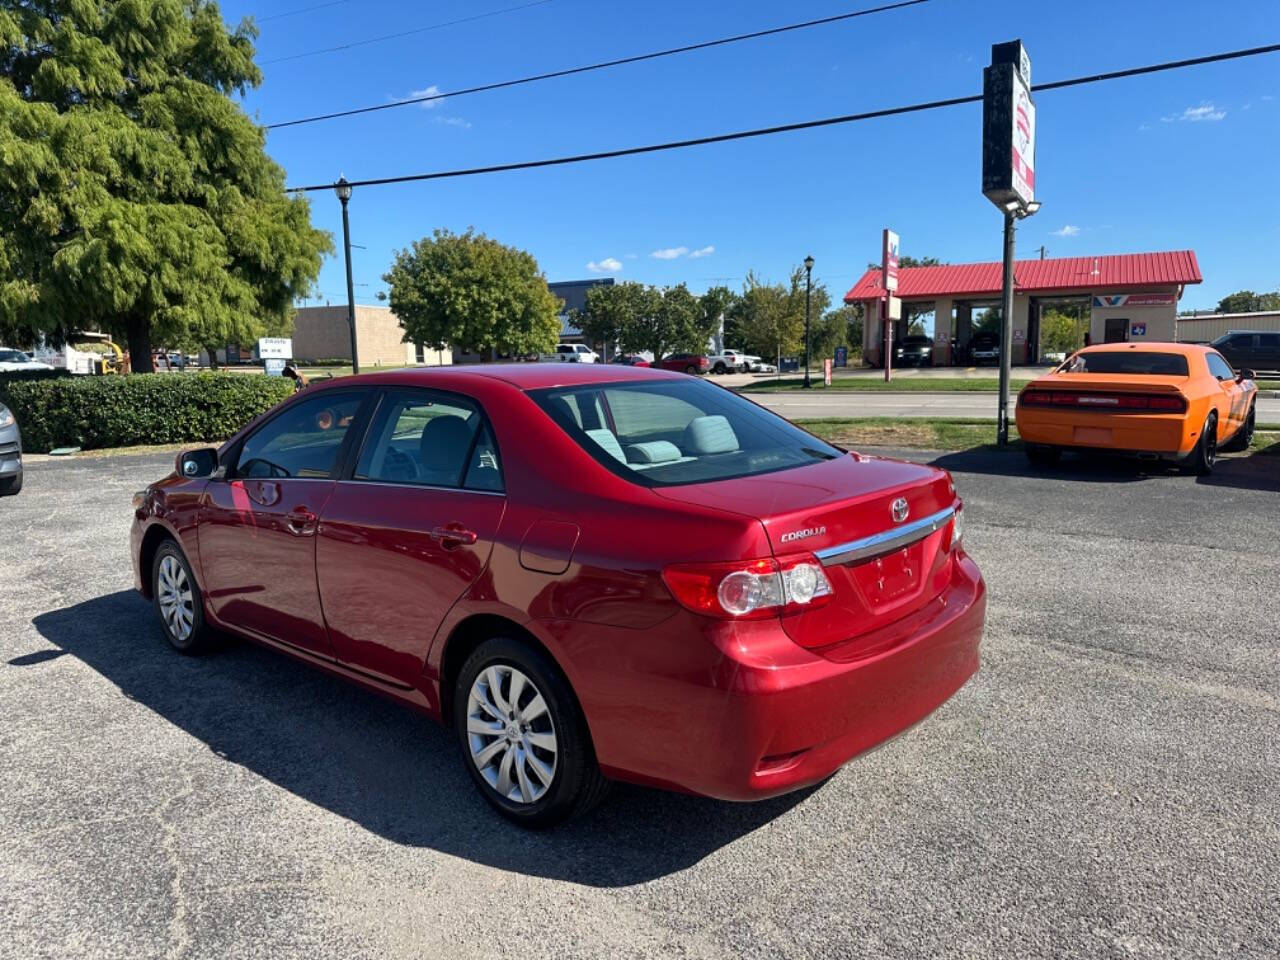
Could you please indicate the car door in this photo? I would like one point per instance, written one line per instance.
(409, 531)
(1231, 401)
(1268, 352)
(257, 524)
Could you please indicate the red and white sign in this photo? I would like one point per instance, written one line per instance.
(1024, 141)
(826, 371)
(889, 260)
(1135, 299)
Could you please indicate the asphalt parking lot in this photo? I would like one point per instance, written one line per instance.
(1107, 786)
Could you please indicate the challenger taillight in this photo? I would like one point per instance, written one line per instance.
(1121, 402)
(749, 589)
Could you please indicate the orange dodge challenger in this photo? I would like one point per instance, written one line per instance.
(1158, 401)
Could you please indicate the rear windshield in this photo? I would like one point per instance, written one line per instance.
(1128, 361)
(662, 433)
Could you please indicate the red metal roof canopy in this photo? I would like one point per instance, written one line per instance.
(1127, 271)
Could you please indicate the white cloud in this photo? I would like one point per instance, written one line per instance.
(1206, 111)
(431, 91)
(453, 122)
(630, 256)
(1068, 230)
(1267, 96)
(607, 265)
(706, 251)
(669, 253)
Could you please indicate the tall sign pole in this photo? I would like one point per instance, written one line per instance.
(890, 305)
(1008, 178)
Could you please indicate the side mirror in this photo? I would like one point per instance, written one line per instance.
(195, 464)
(1246, 374)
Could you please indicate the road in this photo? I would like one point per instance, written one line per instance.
(794, 405)
(1108, 785)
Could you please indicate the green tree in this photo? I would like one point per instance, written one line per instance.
(715, 303)
(136, 195)
(474, 294)
(1246, 301)
(646, 318)
(1061, 330)
(766, 319)
(906, 260)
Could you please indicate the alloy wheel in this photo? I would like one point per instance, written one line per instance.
(511, 735)
(177, 603)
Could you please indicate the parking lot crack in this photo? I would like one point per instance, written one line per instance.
(179, 931)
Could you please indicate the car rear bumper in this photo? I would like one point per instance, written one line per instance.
(739, 711)
(1163, 435)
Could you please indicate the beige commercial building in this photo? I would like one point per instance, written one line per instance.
(1208, 327)
(322, 333)
(1127, 297)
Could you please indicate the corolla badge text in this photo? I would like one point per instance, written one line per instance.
(801, 534)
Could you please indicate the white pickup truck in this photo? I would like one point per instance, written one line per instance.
(571, 353)
(735, 361)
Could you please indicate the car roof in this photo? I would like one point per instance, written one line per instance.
(524, 376)
(1185, 349)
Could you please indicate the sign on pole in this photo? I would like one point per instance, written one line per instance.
(273, 366)
(275, 348)
(889, 257)
(826, 371)
(1008, 126)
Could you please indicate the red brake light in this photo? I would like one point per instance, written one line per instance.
(1097, 400)
(749, 589)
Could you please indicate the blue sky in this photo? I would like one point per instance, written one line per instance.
(1182, 159)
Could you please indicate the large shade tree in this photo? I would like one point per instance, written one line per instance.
(474, 294)
(135, 194)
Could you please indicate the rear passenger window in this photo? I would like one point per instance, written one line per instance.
(1219, 368)
(430, 440)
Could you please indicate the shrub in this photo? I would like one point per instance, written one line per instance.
(113, 411)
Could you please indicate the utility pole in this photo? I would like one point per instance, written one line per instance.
(1006, 330)
(808, 290)
(343, 189)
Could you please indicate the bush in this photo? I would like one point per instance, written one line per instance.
(112, 411)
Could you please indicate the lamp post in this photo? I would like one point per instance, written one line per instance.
(808, 290)
(343, 189)
(1013, 210)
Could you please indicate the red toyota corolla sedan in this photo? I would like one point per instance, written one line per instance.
(589, 572)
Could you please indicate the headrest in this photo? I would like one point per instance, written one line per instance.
(444, 444)
(709, 435)
(655, 451)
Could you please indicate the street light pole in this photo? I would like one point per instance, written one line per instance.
(343, 189)
(808, 291)
(1006, 330)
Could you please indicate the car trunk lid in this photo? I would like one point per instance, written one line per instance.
(883, 564)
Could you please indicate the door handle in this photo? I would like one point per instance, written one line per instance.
(301, 522)
(453, 535)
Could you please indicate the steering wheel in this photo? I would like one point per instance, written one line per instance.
(399, 466)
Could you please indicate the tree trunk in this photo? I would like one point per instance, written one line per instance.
(138, 332)
(213, 357)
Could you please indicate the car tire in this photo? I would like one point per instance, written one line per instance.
(691, 370)
(1205, 453)
(1244, 436)
(1043, 455)
(11, 487)
(526, 795)
(720, 368)
(178, 602)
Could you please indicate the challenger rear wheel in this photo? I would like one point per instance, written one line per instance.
(1205, 455)
(523, 737)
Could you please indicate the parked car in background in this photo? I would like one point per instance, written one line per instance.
(631, 360)
(1255, 349)
(984, 348)
(10, 453)
(914, 351)
(464, 540)
(1158, 401)
(13, 360)
(693, 363)
(731, 361)
(573, 353)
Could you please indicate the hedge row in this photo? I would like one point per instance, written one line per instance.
(115, 411)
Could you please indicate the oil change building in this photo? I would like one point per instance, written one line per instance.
(1120, 298)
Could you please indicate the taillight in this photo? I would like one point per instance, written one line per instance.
(749, 589)
(1102, 401)
(957, 527)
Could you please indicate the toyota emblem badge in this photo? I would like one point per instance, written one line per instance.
(900, 509)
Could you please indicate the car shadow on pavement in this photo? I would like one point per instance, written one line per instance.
(1260, 470)
(377, 763)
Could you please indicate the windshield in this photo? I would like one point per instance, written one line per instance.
(663, 433)
(13, 356)
(1129, 362)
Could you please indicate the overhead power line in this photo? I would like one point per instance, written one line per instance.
(290, 13)
(407, 33)
(571, 71)
(800, 125)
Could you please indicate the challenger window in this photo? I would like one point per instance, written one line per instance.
(1218, 367)
(432, 440)
(662, 432)
(302, 442)
(1128, 362)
